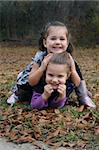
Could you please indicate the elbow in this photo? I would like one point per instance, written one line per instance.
(75, 78)
(78, 82)
(31, 81)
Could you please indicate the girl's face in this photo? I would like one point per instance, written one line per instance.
(56, 74)
(56, 40)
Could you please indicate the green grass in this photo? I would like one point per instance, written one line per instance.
(66, 118)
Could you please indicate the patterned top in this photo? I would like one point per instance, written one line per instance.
(22, 77)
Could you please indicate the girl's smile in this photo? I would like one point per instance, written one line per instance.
(56, 74)
(56, 40)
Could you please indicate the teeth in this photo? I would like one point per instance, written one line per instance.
(57, 47)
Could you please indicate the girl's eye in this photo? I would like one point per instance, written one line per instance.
(60, 76)
(53, 38)
(51, 75)
(62, 39)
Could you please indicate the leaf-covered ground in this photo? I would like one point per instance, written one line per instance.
(71, 127)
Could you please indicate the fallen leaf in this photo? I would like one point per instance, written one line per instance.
(96, 130)
(80, 109)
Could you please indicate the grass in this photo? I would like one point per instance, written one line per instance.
(67, 126)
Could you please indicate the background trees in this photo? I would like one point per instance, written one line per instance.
(23, 20)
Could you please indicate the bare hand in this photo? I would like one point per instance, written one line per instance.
(47, 91)
(62, 91)
(45, 61)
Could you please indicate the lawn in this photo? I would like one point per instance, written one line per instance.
(72, 127)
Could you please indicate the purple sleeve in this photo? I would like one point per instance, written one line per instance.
(58, 103)
(37, 102)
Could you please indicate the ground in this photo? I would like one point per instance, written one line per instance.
(71, 127)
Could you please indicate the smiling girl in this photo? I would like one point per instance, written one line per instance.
(54, 91)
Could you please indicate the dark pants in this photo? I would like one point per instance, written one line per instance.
(24, 93)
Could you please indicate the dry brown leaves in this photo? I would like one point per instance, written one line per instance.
(68, 127)
(25, 125)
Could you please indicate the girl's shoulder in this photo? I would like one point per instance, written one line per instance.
(39, 56)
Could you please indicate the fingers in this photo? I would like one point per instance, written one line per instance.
(62, 90)
(47, 91)
(46, 61)
(62, 87)
(48, 88)
(47, 58)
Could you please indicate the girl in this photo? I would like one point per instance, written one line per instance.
(54, 39)
(53, 93)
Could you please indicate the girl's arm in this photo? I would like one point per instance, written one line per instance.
(74, 75)
(38, 102)
(75, 78)
(37, 72)
(59, 101)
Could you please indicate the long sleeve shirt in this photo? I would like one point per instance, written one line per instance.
(37, 101)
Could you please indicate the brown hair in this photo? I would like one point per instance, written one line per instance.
(62, 58)
(44, 32)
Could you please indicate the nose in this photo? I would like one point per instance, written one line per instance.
(58, 41)
(55, 80)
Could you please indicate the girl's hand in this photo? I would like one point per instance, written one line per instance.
(47, 91)
(62, 91)
(45, 61)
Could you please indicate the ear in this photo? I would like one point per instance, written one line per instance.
(44, 42)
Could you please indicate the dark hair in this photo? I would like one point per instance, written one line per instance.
(61, 58)
(44, 33)
(70, 48)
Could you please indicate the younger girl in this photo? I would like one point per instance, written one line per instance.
(53, 93)
(54, 39)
